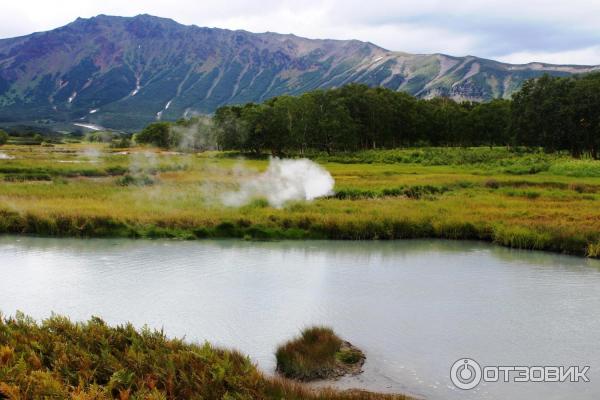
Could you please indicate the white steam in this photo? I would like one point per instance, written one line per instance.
(283, 181)
(194, 136)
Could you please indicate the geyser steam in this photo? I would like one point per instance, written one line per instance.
(283, 181)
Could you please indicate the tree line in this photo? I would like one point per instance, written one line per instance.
(555, 113)
(559, 114)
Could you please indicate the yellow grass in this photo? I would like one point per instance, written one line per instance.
(548, 210)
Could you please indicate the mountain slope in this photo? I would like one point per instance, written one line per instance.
(123, 72)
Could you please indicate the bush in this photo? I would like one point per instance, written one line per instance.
(593, 250)
(157, 134)
(100, 137)
(38, 139)
(492, 184)
(59, 359)
(3, 137)
(135, 180)
(27, 177)
(122, 143)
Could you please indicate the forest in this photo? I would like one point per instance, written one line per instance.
(554, 113)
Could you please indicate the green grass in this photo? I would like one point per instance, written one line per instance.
(514, 197)
(59, 359)
(136, 180)
(350, 356)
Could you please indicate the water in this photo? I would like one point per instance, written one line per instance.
(414, 307)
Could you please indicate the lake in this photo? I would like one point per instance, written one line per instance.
(413, 306)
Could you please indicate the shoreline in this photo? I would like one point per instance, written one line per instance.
(51, 351)
(96, 228)
(524, 200)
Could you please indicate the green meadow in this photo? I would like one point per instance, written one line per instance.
(522, 198)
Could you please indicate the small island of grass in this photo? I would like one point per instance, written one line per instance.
(318, 353)
(60, 359)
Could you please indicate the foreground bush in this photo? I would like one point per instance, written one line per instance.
(317, 354)
(59, 359)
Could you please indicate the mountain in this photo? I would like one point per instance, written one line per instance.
(123, 73)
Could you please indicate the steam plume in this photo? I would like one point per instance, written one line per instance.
(283, 181)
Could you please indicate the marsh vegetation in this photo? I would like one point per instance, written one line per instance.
(522, 198)
(93, 361)
(318, 353)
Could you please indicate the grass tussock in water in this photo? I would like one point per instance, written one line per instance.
(318, 353)
(59, 359)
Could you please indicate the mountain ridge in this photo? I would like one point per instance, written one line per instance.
(124, 72)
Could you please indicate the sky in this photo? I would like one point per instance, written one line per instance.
(516, 31)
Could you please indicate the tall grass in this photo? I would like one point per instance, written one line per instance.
(576, 168)
(315, 354)
(59, 359)
(178, 196)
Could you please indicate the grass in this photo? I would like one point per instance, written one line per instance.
(59, 359)
(514, 197)
(316, 354)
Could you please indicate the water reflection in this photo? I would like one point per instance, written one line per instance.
(414, 306)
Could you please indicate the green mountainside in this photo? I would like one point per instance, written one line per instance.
(122, 72)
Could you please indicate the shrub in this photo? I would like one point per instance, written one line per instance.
(3, 137)
(59, 359)
(135, 180)
(492, 184)
(579, 188)
(121, 143)
(593, 250)
(157, 134)
(27, 177)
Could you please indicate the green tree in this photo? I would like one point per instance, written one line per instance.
(334, 127)
(542, 114)
(585, 107)
(229, 130)
(157, 134)
(3, 137)
(487, 123)
(255, 121)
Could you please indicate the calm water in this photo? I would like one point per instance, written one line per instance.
(414, 307)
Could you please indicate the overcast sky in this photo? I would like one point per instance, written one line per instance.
(519, 31)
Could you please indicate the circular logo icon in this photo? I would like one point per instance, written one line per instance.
(465, 373)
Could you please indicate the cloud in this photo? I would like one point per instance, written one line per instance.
(576, 57)
(516, 30)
